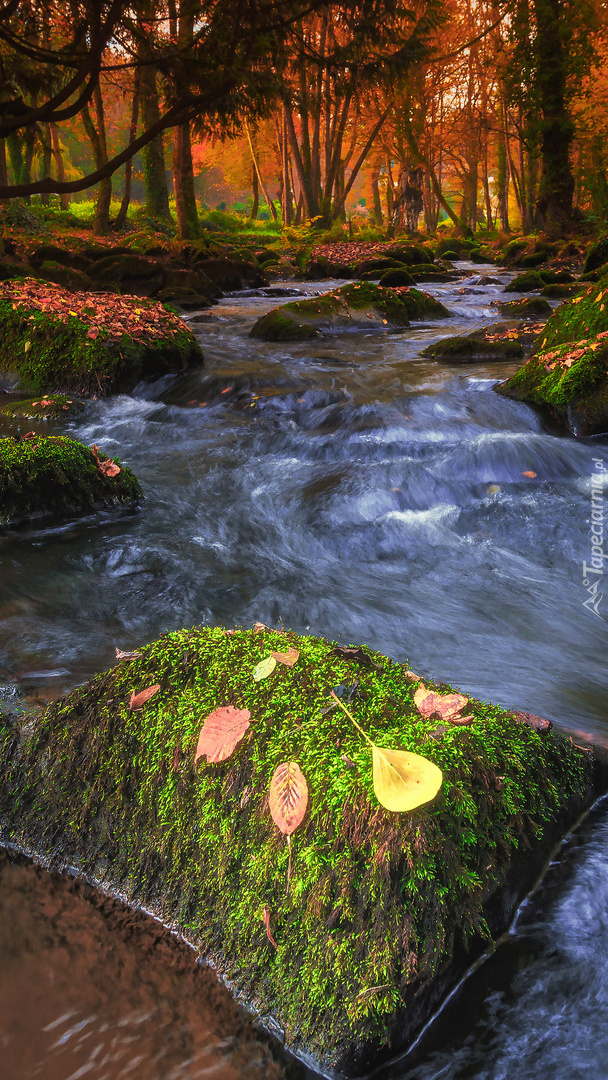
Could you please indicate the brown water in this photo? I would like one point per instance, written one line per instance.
(91, 989)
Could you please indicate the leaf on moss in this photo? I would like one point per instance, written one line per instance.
(288, 658)
(137, 700)
(266, 918)
(288, 796)
(120, 655)
(222, 730)
(446, 706)
(403, 781)
(264, 668)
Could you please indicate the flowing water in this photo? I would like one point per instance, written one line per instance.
(350, 488)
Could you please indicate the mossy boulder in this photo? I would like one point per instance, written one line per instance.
(48, 407)
(396, 277)
(481, 257)
(54, 253)
(563, 292)
(569, 381)
(533, 258)
(382, 911)
(528, 308)
(527, 282)
(479, 347)
(52, 476)
(78, 343)
(68, 276)
(450, 254)
(577, 320)
(359, 305)
(597, 255)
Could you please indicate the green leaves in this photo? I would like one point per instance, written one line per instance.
(264, 668)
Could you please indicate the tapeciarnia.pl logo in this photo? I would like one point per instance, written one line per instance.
(593, 571)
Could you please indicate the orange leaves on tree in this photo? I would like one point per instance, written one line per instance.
(222, 730)
(446, 706)
(137, 700)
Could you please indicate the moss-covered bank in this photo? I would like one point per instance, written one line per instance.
(359, 305)
(570, 381)
(480, 346)
(52, 476)
(83, 343)
(383, 911)
(47, 407)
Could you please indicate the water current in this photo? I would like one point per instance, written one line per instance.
(350, 488)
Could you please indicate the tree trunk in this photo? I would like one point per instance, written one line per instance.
(188, 226)
(376, 197)
(3, 169)
(255, 187)
(554, 203)
(121, 216)
(65, 198)
(97, 137)
(256, 166)
(47, 158)
(183, 185)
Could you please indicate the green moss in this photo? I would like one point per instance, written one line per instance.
(570, 374)
(50, 355)
(525, 282)
(562, 292)
(55, 476)
(532, 305)
(582, 318)
(50, 407)
(474, 347)
(378, 902)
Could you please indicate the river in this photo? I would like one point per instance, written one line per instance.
(350, 488)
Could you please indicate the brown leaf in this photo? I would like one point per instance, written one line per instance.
(120, 655)
(288, 658)
(137, 700)
(266, 918)
(259, 626)
(93, 333)
(538, 723)
(447, 706)
(221, 732)
(529, 473)
(288, 796)
(354, 654)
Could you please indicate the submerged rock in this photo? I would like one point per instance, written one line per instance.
(52, 476)
(349, 936)
(359, 305)
(48, 407)
(83, 343)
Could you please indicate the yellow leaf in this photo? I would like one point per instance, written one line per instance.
(288, 658)
(403, 781)
(264, 668)
(27, 346)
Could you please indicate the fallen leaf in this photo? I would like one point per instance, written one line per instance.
(410, 674)
(264, 668)
(120, 655)
(93, 333)
(538, 723)
(288, 658)
(358, 654)
(403, 781)
(220, 733)
(266, 918)
(529, 473)
(137, 700)
(446, 706)
(493, 489)
(288, 796)
(259, 626)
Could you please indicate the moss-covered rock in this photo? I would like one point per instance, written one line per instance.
(527, 282)
(570, 382)
(531, 306)
(382, 912)
(78, 343)
(52, 476)
(480, 346)
(563, 292)
(48, 407)
(533, 258)
(579, 319)
(396, 277)
(68, 276)
(359, 305)
(597, 255)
